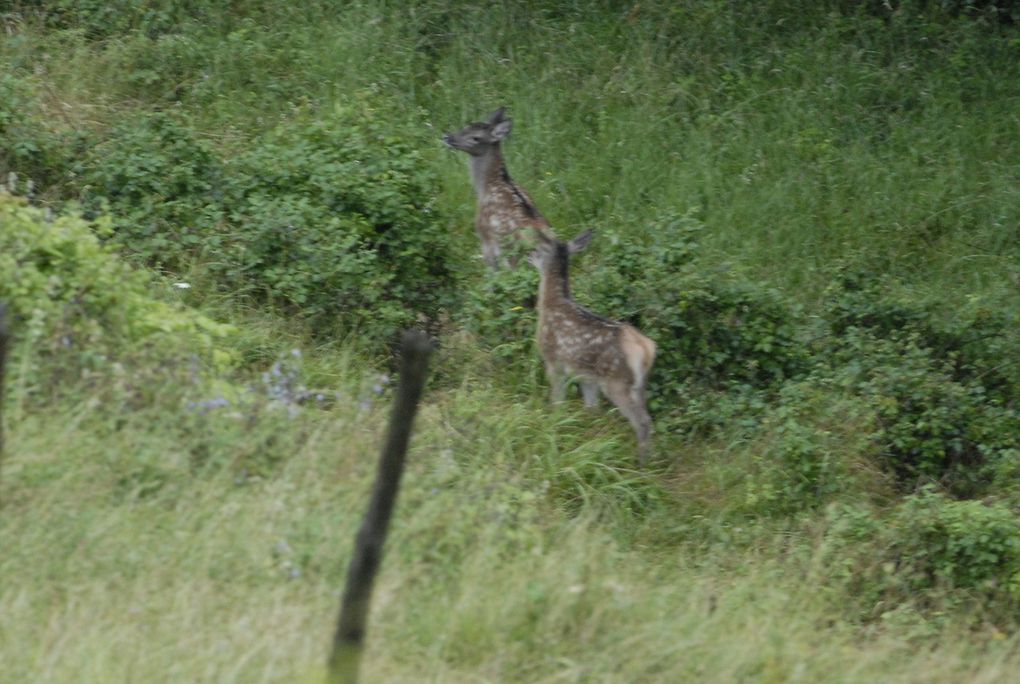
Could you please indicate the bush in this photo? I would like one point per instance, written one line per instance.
(77, 309)
(975, 341)
(499, 310)
(164, 187)
(336, 217)
(713, 333)
(40, 157)
(103, 18)
(927, 551)
(808, 452)
(331, 220)
(947, 409)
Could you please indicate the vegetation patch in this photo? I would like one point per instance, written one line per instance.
(330, 218)
(77, 308)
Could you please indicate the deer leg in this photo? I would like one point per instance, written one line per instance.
(557, 382)
(641, 421)
(490, 252)
(631, 403)
(590, 392)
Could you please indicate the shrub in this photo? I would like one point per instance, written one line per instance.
(103, 18)
(38, 155)
(331, 220)
(946, 409)
(807, 452)
(712, 332)
(926, 551)
(17, 145)
(499, 310)
(78, 309)
(163, 185)
(336, 217)
(974, 340)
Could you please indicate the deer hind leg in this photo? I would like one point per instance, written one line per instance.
(630, 400)
(490, 252)
(590, 392)
(557, 382)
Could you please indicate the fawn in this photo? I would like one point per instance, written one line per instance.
(503, 209)
(608, 355)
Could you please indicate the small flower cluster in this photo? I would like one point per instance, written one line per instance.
(281, 386)
(11, 186)
(377, 388)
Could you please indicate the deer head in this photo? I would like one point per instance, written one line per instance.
(478, 139)
(553, 256)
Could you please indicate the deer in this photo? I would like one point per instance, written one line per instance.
(503, 211)
(611, 356)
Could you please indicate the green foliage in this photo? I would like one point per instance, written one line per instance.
(101, 19)
(79, 309)
(335, 216)
(40, 157)
(928, 547)
(499, 310)
(593, 478)
(331, 219)
(929, 426)
(805, 452)
(1004, 11)
(976, 342)
(18, 147)
(713, 332)
(945, 397)
(164, 186)
(806, 135)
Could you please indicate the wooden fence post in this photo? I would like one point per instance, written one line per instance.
(345, 658)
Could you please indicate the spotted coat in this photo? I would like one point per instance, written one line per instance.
(504, 213)
(608, 356)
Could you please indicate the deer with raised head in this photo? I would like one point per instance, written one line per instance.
(504, 211)
(606, 355)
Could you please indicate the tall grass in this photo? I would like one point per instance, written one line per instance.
(800, 136)
(178, 574)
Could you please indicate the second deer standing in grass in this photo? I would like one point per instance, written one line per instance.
(609, 355)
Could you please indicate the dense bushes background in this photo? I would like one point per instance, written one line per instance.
(331, 218)
(81, 313)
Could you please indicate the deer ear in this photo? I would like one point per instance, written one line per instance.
(502, 129)
(497, 116)
(580, 242)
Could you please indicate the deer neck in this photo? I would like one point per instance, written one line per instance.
(554, 286)
(487, 170)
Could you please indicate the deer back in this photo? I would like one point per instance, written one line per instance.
(591, 345)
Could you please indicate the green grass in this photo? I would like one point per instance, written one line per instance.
(177, 574)
(148, 536)
(831, 140)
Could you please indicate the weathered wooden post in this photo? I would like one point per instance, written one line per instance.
(345, 658)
